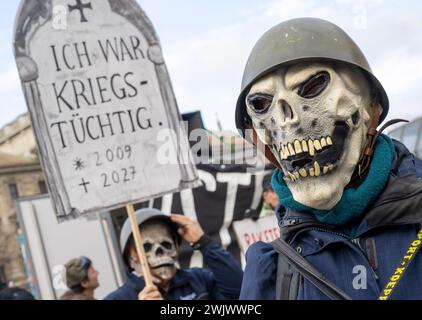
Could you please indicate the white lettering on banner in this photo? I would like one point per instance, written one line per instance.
(188, 206)
(166, 203)
(257, 197)
(208, 179)
(259, 178)
(233, 180)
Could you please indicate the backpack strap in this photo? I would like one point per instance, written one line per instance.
(308, 271)
(288, 280)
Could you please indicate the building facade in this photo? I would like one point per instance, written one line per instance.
(20, 176)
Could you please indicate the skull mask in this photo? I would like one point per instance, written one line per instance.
(314, 118)
(160, 249)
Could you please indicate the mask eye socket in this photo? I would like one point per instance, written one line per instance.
(167, 245)
(314, 86)
(260, 102)
(147, 247)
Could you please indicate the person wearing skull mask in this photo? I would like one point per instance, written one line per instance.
(350, 197)
(162, 235)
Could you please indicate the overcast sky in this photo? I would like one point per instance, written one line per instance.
(206, 44)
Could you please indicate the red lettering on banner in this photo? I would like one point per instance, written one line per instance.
(253, 238)
(265, 235)
(247, 239)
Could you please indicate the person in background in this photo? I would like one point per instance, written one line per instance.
(81, 279)
(270, 198)
(162, 235)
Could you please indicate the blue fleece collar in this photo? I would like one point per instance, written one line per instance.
(354, 201)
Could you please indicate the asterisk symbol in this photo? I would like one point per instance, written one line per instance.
(78, 164)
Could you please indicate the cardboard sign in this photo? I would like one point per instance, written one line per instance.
(250, 231)
(101, 102)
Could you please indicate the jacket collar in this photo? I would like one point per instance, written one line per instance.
(180, 279)
(398, 204)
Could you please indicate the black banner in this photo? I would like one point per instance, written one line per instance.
(229, 193)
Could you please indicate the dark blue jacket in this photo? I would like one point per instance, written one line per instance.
(379, 242)
(221, 282)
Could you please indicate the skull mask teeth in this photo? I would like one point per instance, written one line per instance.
(312, 158)
(314, 118)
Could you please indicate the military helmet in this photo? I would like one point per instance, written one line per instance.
(302, 40)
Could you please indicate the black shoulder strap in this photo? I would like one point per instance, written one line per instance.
(288, 280)
(307, 271)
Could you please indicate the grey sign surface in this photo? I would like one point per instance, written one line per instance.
(101, 103)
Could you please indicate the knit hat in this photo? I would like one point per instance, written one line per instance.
(77, 271)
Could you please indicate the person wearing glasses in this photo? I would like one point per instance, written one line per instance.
(81, 279)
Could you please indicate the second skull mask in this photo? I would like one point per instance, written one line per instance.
(160, 249)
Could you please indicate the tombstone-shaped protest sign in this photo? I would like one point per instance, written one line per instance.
(102, 105)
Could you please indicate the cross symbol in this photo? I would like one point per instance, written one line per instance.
(84, 184)
(81, 7)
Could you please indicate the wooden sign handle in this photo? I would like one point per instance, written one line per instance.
(139, 245)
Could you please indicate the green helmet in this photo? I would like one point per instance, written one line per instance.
(302, 40)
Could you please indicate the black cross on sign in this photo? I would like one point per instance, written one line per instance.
(81, 7)
(84, 184)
